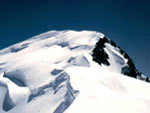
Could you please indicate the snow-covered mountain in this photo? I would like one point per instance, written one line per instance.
(71, 72)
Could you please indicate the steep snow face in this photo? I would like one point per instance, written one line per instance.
(72, 72)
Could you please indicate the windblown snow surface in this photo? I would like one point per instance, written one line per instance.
(71, 72)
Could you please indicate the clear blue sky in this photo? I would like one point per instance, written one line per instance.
(127, 22)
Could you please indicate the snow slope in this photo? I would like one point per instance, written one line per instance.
(70, 72)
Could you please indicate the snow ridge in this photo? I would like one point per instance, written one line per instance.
(70, 72)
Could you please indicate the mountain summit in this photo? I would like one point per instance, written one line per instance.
(71, 72)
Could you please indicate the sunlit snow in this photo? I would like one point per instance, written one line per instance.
(54, 73)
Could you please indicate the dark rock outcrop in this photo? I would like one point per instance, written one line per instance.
(101, 57)
(99, 54)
